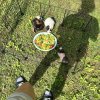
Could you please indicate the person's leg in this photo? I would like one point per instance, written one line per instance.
(25, 87)
(24, 90)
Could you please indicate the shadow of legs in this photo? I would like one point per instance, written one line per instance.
(43, 66)
(60, 80)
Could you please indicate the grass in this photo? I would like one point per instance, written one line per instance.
(77, 81)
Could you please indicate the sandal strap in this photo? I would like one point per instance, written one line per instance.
(17, 83)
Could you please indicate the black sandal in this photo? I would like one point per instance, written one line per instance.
(47, 95)
(20, 80)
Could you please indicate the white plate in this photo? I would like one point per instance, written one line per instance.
(45, 33)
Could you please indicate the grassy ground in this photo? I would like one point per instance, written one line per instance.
(79, 80)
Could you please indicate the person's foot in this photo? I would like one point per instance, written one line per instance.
(20, 80)
(62, 56)
(48, 95)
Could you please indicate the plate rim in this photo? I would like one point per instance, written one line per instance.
(45, 34)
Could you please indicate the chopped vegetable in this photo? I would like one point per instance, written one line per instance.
(45, 41)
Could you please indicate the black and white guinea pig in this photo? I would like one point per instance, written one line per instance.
(38, 23)
(49, 23)
(40, 17)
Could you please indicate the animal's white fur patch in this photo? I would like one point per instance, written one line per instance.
(38, 17)
(49, 22)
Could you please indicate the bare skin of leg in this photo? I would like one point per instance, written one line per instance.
(27, 89)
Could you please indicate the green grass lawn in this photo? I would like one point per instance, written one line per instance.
(80, 79)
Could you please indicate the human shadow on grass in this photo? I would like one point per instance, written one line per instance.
(75, 32)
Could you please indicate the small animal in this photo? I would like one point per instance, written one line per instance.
(49, 24)
(38, 23)
(62, 56)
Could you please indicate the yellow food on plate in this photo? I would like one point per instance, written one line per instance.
(45, 41)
